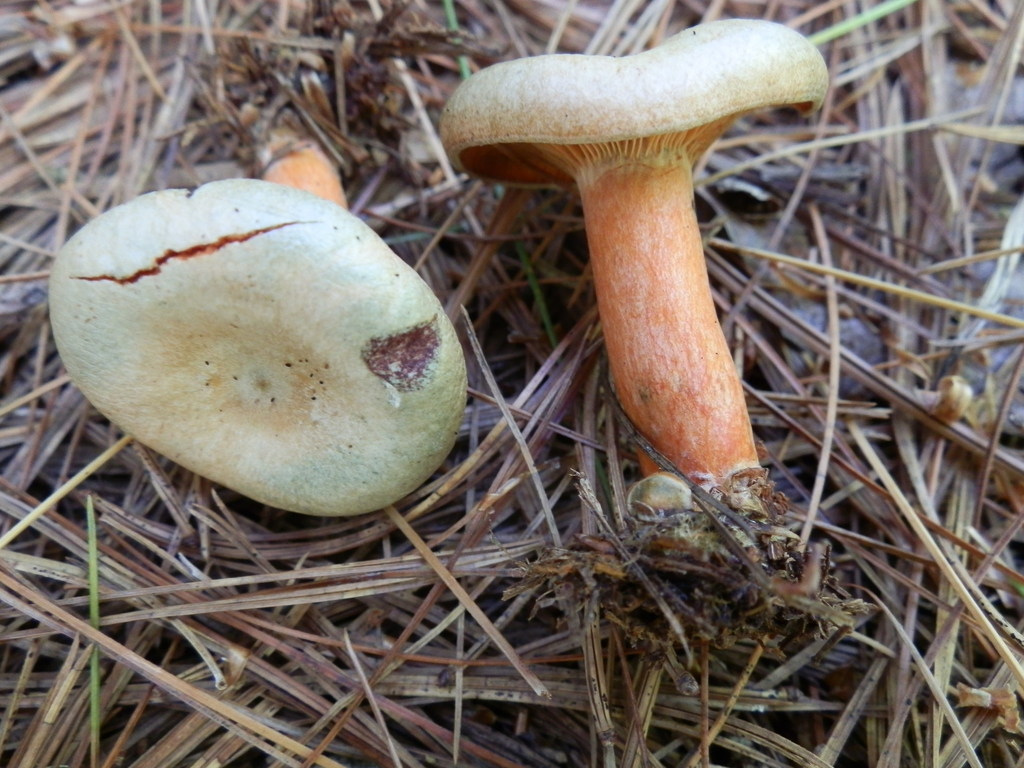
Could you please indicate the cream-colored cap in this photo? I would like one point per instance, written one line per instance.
(502, 122)
(264, 338)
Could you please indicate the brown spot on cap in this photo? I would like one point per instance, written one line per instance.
(404, 359)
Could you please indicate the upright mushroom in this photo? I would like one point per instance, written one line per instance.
(265, 338)
(627, 131)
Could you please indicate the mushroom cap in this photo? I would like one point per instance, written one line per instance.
(689, 89)
(264, 338)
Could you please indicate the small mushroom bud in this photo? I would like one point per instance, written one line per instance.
(658, 495)
(951, 400)
(264, 338)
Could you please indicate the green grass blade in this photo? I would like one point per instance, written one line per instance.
(93, 571)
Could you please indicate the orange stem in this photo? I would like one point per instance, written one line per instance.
(305, 166)
(671, 366)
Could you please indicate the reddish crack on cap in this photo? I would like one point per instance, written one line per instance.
(404, 359)
(187, 253)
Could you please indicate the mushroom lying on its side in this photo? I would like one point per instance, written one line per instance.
(264, 338)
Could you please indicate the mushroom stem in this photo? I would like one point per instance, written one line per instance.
(301, 164)
(670, 363)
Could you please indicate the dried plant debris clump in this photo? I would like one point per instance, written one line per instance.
(341, 84)
(685, 567)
